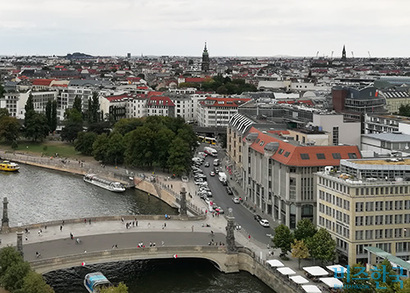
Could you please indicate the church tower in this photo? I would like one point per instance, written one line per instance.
(205, 60)
(344, 53)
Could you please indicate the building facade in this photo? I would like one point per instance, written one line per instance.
(360, 208)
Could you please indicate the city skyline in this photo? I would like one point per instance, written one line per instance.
(181, 27)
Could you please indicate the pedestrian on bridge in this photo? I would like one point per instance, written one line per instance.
(71, 235)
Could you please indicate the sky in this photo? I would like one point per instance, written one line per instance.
(299, 28)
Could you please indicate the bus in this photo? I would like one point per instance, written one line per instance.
(210, 140)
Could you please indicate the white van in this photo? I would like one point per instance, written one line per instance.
(216, 162)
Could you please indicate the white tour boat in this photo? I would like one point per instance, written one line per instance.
(93, 282)
(103, 183)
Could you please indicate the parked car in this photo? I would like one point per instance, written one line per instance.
(212, 174)
(229, 190)
(207, 164)
(236, 199)
(264, 223)
(184, 179)
(219, 210)
(257, 217)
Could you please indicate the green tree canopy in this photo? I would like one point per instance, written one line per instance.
(34, 283)
(179, 157)
(127, 125)
(114, 153)
(84, 142)
(13, 277)
(100, 146)
(283, 238)
(36, 127)
(9, 129)
(305, 229)
(356, 279)
(4, 112)
(121, 288)
(139, 147)
(77, 105)
(8, 256)
(322, 246)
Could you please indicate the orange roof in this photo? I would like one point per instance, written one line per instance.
(304, 156)
(44, 82)
(194, 79)
(153, 93)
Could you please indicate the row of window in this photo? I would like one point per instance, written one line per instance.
(335, 200)
(381, 233)
(394, 190)
(334, 213)
(382, 220)
(389, 205)
(335, 227)
(334, 185)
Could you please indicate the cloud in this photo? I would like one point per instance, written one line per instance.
(260, 27)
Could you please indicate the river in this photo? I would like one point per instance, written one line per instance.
(40, 195)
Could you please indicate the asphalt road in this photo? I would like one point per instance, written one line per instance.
(243, 216)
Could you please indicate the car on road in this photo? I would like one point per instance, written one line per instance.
(184, 179)
(212, 174)
(207, 164)
(229, 190)
(264, 223)
(219, 210)
(236, 200)
(257, 217)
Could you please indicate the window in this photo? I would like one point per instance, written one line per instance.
(369, 220)
(304, 156)
(352, 155)
(359, 207)
(321, 156)
(281, 151)
(336, 156)
(369, 206)
(287, 154)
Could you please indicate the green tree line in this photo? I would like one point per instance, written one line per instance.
(159, 141)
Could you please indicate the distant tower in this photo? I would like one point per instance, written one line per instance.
(344, 53)
(205, 60)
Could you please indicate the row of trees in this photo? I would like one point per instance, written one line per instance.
(223, 85)
(159, 141)
(306, 241)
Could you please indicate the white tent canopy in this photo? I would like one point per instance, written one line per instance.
(311, 289)
(332, 282)
(316, 271)
(337, 268)
(286, 271)
(275, 263)
(299, 279)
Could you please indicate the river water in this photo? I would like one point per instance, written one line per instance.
(40, 195)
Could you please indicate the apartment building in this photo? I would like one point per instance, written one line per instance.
(279, 172)
(366, 203)
(217, 111)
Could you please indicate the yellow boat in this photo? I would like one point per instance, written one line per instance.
(9, 166)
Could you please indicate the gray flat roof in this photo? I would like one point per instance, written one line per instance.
(392, 137)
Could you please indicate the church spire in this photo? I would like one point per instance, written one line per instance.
(344, 53)
(205, 60)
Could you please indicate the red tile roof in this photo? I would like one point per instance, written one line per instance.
(290, 155)
(43, 82)
(195, 79)
(160, 101)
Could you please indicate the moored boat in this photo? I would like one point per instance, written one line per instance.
(93, 282)
(103, 183)
(9, 166)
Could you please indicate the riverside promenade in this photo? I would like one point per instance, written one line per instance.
(103, 234)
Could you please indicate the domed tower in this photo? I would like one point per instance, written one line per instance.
(205, 60)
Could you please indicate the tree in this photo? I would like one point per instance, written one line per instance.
(73, 124)
(179, 157)
(163, 141)
(12, 279)
(2, 91)
(4, 112)
(127, 125)
(322, 246)
(121, 288)
(305, 229)
(100, 147)
(384, 269)
(114, 153)
(84, 142)
(283, 239)
(139, 150)
(48, 113)
(404, 110)
(300, 250)
(8, 256)
(53, 123)
(77, 105)
(36, 127)
(34, 283)
(93, 109)
(9, 129)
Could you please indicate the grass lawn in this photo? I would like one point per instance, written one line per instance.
(48, 148)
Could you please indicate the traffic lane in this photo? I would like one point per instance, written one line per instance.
(101, 242)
